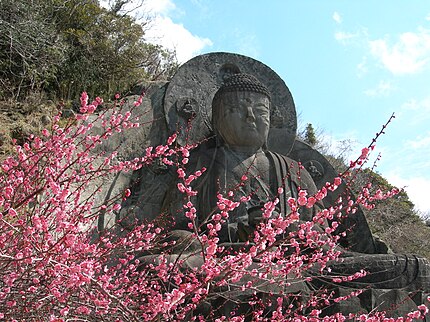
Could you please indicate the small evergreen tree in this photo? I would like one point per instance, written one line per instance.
(310, 136)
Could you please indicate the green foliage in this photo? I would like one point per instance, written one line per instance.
(31, 50)
(310, 136)
(63, 47)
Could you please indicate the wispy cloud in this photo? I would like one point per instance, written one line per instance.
(405, 53)
(358, 37)
(421, 142)
(245, 43)
(337, 17)
(383, 88)
(343, 37)
(417, 105)
(159, 6)
(416, 112)
(362, 68)
(408, 55)
(176, 37)
(416, 187)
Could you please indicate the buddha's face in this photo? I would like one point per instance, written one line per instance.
(244, 119)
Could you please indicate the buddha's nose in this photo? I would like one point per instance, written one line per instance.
(250, 117)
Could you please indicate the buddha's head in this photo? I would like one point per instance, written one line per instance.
(241, 112)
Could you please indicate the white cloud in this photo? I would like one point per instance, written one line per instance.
(245, 43)
(411, 105)
(417, 189)
(416, 112)
(171, 35)
(176, 37)
(428, 17)
(343, 37)
(159, 6)
(384, 88)
(420, 143)
(410, 54)
(414, 105)
(362, 67)
(337, 17)
(163, 31)
(148, 7)
(357, 38)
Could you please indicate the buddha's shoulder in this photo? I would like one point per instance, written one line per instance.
(283, 158)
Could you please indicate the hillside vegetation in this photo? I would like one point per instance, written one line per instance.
(61, 47)
(52, 50)
(394, 221)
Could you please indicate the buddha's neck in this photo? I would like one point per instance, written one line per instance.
(244, 150)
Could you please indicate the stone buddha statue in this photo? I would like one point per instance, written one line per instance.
(238, 162)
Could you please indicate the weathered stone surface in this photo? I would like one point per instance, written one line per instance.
(194, 85)
(131, 144)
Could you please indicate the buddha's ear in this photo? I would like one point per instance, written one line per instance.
(264, 147)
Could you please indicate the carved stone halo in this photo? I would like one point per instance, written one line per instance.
(188, 99)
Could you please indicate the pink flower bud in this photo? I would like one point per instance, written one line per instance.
(12, 212)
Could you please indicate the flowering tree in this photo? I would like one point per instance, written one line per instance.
(56, 265)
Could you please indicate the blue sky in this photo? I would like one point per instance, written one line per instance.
(349, 66)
